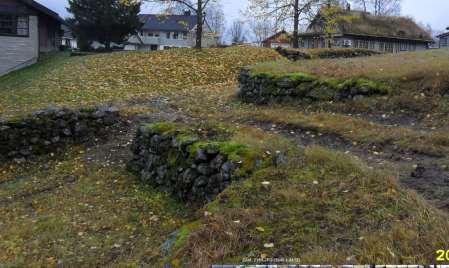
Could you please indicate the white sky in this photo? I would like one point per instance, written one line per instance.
(433, 12)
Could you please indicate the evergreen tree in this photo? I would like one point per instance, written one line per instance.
(104, 21)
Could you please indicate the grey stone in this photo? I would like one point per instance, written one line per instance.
(200, 156)
(228, 167)
(204, 169)
(67, 132)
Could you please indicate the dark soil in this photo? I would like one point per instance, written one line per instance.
(423, 173)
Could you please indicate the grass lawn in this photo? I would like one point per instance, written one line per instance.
(322, 206)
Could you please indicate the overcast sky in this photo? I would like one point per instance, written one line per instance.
(433, 12)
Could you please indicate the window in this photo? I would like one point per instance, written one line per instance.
(14, 25)
(361, 44)
(184, 35)
(175, 35)
(168, 35)
(150, 34)
(389, 47)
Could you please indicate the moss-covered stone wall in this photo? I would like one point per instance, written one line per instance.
(327, 53)
(262, 88)
(46, 130)
(192, 163)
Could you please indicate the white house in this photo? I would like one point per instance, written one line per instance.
(169, 31)
(68, 40)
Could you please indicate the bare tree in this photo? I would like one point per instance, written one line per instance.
(287, 12)
(386, 7)
(237, 32)
(215, 19)
(380, 7)
(261, 29)
(363, 4)
(282, 12)
(197, 6)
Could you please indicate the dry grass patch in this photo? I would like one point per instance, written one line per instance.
(68, 211)
(322, 207)
(356, 130)
(429, 68)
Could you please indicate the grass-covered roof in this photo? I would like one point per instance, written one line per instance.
(366, 24)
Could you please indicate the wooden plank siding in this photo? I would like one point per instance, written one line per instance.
(381, 44)
(22, 47)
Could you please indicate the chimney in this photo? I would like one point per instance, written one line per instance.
(187, 12)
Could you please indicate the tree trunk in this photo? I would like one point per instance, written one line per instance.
(199, 27)
(296, 25)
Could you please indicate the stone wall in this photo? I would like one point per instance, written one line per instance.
(188, 164)
(265, 87)
(301, 54)
(46, 130)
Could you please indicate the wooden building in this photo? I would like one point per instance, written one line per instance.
(359, 29)
(27, 29)
(279, 39)
(444, 39)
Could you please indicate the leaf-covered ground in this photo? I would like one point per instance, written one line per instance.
(78, 81)
(328, 204)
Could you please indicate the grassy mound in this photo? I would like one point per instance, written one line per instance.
(322, 207)
(91, 80)
(423, 70)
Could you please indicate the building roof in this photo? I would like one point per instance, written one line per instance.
(179, 23)
(280, 37)
(44, 10)
(365, 24)
(443, 35)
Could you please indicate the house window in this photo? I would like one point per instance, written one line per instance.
(175, 35)
(184, 35)
(168, 35)
(150, 34)
(389, 47)
(14, 25)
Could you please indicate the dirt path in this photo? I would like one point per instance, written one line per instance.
(421, 173)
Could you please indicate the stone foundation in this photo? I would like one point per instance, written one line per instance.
(46, 130)
(186, 163)
(263, 88)
(307, 54)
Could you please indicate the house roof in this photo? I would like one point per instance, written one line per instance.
(361, 23)
(180, 23)
(282, 36)
(443, 35)
(44, 10)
